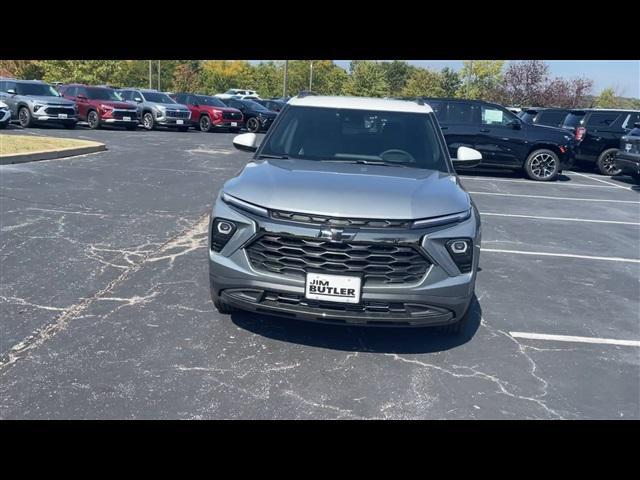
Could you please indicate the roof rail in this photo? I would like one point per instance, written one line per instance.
(306, 93)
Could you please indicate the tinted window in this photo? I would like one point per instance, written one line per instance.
(7, 85)
(157, 97)
(464, 113)
(551, 117)
(631, 119)
(180, 98)
(496, 116)
(528, 116)
(211, 101)
(602, 119)
(255, 106)
(348, 135)
(573, 120)
(439, 108)
(102, 94)
(70, 91)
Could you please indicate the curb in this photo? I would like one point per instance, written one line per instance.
(52, 154)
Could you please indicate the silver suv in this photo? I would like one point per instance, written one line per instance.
(349, 212)
(157, 108)
(33, 101)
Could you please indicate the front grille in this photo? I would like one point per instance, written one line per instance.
(177, 114)
(59, 110)
(378, 263)
(339, 222)
(119, 114)
(231, 115)
(368, 307)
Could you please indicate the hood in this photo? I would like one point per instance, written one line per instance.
(49, 100)
(349, 190)
(116, 104)
(172, 106)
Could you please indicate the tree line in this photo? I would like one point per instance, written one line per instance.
(523, 83)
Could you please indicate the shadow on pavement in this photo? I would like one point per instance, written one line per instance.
(360, 339)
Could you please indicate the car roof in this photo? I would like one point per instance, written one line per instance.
(360, 103)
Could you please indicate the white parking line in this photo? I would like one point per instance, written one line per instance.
(570, 338)
(568, 255)
(530, 182)
(555, 198)
(600, 180)
(564, 219)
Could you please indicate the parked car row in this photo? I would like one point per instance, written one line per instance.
(627, 158)
(32, 101)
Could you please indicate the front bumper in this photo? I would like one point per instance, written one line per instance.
(5, 116)
(441, 297)
(629, 163)
(224, 123)
(173, 122)
(55, 118)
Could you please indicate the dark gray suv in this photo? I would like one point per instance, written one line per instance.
(350, 212)
(33, 101)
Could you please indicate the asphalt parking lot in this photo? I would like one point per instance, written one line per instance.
(105, 308)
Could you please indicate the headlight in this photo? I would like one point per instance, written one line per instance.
(106, 107)
(37, 107)
(161, 111)
(246, 206)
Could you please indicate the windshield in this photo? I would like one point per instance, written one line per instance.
(103, 94)
(349, 135)
(157, 97)
(573, 120)
(38, 89)
(212, 101)
(255, 106)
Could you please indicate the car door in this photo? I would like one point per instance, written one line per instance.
(138, 100)
(601, 133)
(191, 101)
(460, 123)
(501, 138)
(10, 98)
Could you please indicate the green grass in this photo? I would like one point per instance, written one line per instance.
(16, 144)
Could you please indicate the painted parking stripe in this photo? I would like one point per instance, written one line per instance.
(553, 184)
(600, 180)
(567, 255)
(555, 198)
(564, 219)
(571, 338)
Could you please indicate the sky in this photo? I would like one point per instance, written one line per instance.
(623, 75)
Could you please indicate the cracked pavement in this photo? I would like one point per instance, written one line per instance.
(105, 310)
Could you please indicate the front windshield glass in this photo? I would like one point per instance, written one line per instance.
(368, 136)
(157, 97)
(211, 101)
(103, 94)
(38, 89)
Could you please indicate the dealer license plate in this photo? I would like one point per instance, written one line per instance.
(179, 122)
(62, 115)
(333, 288)
(234, 124)
(126, 119)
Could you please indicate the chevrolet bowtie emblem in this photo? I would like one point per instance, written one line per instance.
(335, 234)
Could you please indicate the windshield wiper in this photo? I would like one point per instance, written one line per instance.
(369, 162)
(279, 157)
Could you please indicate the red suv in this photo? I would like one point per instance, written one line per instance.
(209, 112)
(101, 106)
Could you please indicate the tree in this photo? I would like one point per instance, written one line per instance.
(366, 79)
(524, 84)
(265, 78)
(607, 99)
(22, 69)
(423, 83)
(450, 82)
(220, 75)
(573, 93)
(397, 74)
(187, 78)
(481, 78)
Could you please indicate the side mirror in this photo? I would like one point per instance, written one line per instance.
(137, 99)
(467, 158)
(11, 91)
(247, 142)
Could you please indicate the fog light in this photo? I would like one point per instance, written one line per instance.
(461, 251)
(221, 232)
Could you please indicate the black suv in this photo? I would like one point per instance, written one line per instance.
(551, 117)
(504, 140)
(628, 157)
(599, 132)
(256, 117)
(273, 105)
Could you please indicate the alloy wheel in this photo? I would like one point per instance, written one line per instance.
(147, 121)
(205, 123)
(92, 119)
(543, 165)
(253, 125)
(609, 164)
(23, 117)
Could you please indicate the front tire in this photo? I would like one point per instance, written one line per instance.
(223, 307)
(148, 122)
(542, 165)
(93, 119)
(253, 125)
(606, 163)
(25, 118)
(205, 123)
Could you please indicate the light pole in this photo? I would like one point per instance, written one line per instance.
(149, 74)
(286, 74)
(310, 74)
(159, 75)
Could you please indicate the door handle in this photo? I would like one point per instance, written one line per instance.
(485, 130)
